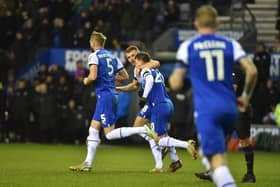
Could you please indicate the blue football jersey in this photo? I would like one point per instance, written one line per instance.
(211, 59)
(158, 92)
(107, 66)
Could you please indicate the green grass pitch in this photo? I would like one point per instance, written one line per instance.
(121, 166)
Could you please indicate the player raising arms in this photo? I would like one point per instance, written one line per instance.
(103, 67)
(144, 115)
(211, 59)
(155, 96)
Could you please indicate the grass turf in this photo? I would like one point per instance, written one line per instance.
(122, 166)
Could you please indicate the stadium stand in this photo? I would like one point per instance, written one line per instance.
(29, 28)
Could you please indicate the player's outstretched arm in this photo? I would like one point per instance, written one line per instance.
(133, 86)
(92, 74)
(122, 75)
(251, 75)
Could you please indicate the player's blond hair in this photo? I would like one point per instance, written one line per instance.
(144, 56)
(131, 48)
(98, 37)
(206, 16)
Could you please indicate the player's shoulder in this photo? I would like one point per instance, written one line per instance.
(92, 58)
(91, 55)
(145, 71)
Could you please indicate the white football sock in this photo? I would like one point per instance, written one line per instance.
(173, 154)
(206, 163)
(156, 150)
(92, 144)
(124, 132)
(172, 142)
(146, 137)
(222, 177)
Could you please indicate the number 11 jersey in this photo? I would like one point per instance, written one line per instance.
(211, 59)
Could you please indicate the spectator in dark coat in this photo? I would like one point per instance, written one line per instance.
(20, 110)
(18, 48)
(61, 36)
(63, 94)
(46, 115)
(88, 102)
(63, 91)
(74, 128)
(146, 22)
(42, 34)
(43, 72)
(78, 89)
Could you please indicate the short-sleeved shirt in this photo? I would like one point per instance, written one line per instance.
(158, 92)
(108, 65)
(211, 60)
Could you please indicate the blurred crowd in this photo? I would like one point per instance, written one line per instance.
(54, 107)
(30, 25)
(27, 26)
(57, 107)
(266, 97)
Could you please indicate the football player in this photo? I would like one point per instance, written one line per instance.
(211, 60)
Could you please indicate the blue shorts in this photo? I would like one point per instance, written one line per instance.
(212, 128)
(161, 114)
(105, 111)
(145, 112)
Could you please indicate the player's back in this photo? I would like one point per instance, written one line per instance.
(158, 92)
(107, 66)
(211, 60)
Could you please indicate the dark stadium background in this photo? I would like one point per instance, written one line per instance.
(43, 41)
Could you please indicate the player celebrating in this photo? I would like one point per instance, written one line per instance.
(103, 67)
(144, 115)
(155, 96)
(211, 59)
